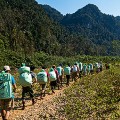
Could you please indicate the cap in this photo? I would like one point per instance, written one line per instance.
(6, 68)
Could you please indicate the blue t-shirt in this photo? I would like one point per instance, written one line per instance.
(13, 82)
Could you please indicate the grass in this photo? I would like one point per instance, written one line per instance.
(94, 97)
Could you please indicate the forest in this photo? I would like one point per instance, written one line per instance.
(31, 32)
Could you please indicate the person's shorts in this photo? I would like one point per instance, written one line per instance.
(43, 86)
(67, 76)
(53, 83)
(5, 104)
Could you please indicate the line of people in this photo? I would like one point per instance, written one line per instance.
(27, 77)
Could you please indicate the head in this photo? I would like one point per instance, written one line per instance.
(6, 68)
(75, 64)
(60, 64)
(32, 68)
(53, 66)
(43, 67)
(68, 64)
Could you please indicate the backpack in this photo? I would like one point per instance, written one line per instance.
(67, 70)
(25, 79)
(24, 69)
(74, 68)
(5, 86)
(59, 69)
(42, 77)
(52, 76)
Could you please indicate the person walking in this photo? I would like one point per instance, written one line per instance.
(67, 72)
(6, 83)
(26, 79)
(42, 79)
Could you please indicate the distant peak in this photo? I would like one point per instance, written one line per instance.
(90, 8)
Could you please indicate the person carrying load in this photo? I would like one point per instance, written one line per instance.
(75, 71)
(60, 72)
(6, 92)
(80, 68)
(53, 75)
(67, 72)
(84, 69)
(42, 79)
(25, 80)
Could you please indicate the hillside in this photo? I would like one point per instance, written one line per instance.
(29, 31)
(100, 29)
(91, 97)
(53, 13)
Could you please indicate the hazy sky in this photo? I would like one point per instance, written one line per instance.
(111, 7)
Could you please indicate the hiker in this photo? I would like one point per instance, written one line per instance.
(88, 69)
(75, 71)
(91, 68)
(97, 67)
(7, 81)
(26, 79)
(107, 66)
(67, 72)
(85, 69)
(42, 79)
(60, 72)
(53, 76)
(101, 66)
(80, 68)
(57, 76)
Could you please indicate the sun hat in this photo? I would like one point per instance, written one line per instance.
(6, 68)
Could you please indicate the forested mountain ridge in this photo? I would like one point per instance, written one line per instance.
(53, 13)
(99, 28)
(26, 29)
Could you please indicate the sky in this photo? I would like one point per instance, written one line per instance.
(111, 7)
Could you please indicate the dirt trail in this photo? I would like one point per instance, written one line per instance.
(42, 110)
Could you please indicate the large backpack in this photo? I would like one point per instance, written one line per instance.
(59, 69)
(52, 75)
(42, 77)
(25, 79)
(5, 86)
(75, 68)
(67, 70)
(24, 69)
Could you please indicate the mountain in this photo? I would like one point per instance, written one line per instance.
(90, 22)
(28, 28)
(53, 13)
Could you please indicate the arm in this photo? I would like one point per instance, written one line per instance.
(13, 84)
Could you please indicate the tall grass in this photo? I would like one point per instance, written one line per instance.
(95, 97)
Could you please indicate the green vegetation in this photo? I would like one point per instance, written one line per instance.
(28, 29)
(93, 97)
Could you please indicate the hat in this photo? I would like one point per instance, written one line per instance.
(6, 68)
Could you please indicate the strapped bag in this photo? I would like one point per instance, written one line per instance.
(5, 86)
(42, 77)
(67, 70)
(59, 69)
(25, 79)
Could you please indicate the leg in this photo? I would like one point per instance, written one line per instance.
(7, 109)
(24, 90)
(31, 93)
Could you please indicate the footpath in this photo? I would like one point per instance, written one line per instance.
(45, 109)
